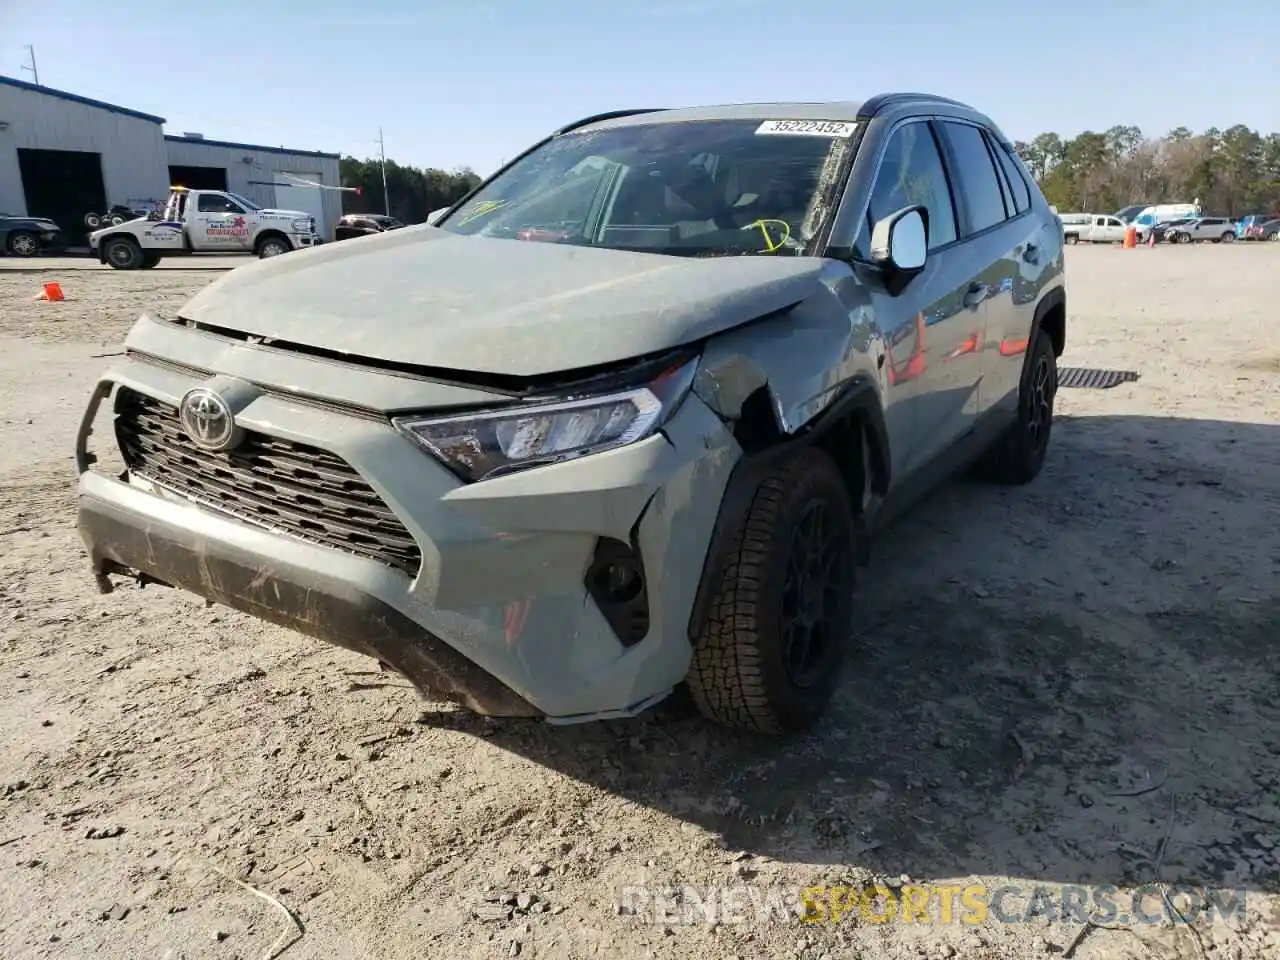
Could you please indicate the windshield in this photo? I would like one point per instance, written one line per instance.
(243, 201)
(692, 188)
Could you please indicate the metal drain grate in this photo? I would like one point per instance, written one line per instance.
(1087, 378)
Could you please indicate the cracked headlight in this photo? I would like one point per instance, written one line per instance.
(490, 443)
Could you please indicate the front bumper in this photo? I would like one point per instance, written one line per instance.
(53, 241)
(500, 617)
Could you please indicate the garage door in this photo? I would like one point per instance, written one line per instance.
(307, 199)
(63, 185)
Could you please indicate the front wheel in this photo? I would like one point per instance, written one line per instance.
(123, 253)
(24, 244)
(1017, 457)
(1072, 239)
(768, 656)
(273, 247)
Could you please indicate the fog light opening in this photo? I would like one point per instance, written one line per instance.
(622, 582)
(616, 582)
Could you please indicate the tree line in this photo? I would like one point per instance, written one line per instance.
(413, 192)
(1232, 172)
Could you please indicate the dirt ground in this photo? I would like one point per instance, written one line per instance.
(1070, 683)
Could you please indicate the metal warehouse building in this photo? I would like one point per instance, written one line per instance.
(63, 155)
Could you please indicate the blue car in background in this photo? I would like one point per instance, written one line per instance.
(1250, 227)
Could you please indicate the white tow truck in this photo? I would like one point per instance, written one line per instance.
(199, 222)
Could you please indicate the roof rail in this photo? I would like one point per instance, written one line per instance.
(884, 100)
(608, 115)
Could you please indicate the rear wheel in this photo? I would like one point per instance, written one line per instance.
(92, 221)
(768, 656)
(1228, 237)
(1072, 239)
(123, 253)
(22, 244)
(1018, 456)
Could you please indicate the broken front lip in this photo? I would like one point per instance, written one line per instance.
(422, 296)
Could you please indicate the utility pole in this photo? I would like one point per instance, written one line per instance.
(386, 197)
(32, 69)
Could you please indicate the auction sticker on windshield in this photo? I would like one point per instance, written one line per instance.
(808, 128)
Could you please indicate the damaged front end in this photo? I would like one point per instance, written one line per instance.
(424, 540)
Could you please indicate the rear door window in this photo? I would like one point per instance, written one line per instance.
(979, 184)
(1017, 183)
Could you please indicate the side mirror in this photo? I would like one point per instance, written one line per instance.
(900, 242)
(435, 215)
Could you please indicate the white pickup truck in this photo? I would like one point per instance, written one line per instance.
(203, 221)
(1091, 228)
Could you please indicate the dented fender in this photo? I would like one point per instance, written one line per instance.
(804, 357)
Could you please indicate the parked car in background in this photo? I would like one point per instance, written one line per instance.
(1164, 212)
(1213, 229)
(30, 236)
(1092, 228)
(362, 224)
(1269, 230)
(1072, 224)
(1250, 227)
(1161, 230)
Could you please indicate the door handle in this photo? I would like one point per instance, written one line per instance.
(976, 294)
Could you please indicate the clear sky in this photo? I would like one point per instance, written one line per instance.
(455, 82)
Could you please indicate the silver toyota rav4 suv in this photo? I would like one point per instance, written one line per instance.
(621, 419)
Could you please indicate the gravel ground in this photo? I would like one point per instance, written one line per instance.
(1070, 683)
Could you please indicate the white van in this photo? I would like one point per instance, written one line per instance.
(1162, 213)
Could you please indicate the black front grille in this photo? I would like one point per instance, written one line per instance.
(290, 487)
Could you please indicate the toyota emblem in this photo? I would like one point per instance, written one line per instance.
(207, 419)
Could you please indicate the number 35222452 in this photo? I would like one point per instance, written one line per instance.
(807, 128)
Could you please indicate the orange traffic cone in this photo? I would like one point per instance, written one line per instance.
(51, 292)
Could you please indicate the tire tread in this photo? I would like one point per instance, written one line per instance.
(727, 674)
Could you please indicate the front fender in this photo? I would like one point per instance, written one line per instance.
(805, 357)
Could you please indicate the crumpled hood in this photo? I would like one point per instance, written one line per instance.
(424, 296)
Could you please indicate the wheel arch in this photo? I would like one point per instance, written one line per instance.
(107, 239)
(1051, 317)
(117, 235)
(851, 430)
(271, 233)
